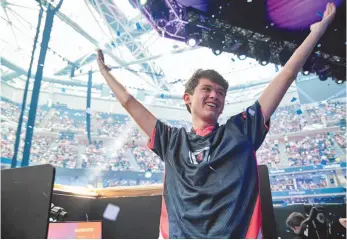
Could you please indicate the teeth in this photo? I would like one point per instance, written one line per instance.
(211, 104)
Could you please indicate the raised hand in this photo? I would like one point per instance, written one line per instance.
(328, 17)
(101, 61)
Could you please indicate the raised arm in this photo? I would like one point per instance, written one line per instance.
(275, 91)
(137, 111)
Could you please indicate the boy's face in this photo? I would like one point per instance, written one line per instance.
(207, 101)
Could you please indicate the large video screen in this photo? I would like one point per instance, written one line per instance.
(74, 230)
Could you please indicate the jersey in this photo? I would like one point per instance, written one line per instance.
(211, 181)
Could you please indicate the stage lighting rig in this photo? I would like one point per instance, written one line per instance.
(339, 74)
(193, 36)
(236, 39)
(159, 11)
(262, 53)
(217, 43)
(243, 50)
(308, 67)
(322, 69)
(284, 55)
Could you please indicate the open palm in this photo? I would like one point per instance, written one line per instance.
(328, 17)
(101, 61)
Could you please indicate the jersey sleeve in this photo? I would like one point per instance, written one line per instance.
(161, 137)
(252, 123)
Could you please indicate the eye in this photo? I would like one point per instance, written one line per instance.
(220, 93)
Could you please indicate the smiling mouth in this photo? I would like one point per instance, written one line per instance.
(213, 105)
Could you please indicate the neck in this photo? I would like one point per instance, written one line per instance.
(201, 124)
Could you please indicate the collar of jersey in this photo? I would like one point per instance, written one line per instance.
(205, 131)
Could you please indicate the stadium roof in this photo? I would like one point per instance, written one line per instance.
(141, 57)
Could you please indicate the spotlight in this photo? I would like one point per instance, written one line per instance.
(242, 56)
(143, 2)
(305, 73)
(216, 43)
(284, 56)
(262, 53)
(339, 81)
(193, 35)
(339, 74)
(217, 51)
(307, 68)
(191, 42)
(242, 51)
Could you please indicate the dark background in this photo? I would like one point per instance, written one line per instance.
(253, 16)
(139, 216)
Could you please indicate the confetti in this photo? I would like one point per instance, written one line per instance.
(111, 212)
(319, 14)
(299, 111)
(293, 99)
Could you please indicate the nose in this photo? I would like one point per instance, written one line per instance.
(213, 94)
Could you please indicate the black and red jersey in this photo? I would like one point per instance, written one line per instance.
(211, 179)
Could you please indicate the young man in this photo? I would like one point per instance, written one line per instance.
(294, 221)
(211, 178)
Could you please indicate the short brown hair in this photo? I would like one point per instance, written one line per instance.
(209, 74)
(295, 219)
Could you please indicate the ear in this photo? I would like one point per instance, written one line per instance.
(186, 98)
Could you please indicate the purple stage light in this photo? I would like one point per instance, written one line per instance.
(296, 14)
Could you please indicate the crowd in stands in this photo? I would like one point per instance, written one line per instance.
(327, 111)
(286, 119)
(72, 153)
(297, 182)
(110, 125)
(340, 139)
(308, 182)
(12, 111)
(127, 182)
(66, 118)
(8, 135)
(279, 184)
(147, 160)
(269, 153)
(310, 150)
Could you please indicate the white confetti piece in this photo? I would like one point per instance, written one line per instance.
(111, 212)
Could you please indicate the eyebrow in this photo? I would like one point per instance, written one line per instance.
(218, 89)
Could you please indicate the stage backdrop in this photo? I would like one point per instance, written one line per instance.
(139, 216)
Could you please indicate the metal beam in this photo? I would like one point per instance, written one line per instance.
(81, 31)
(151, 58)
(21, 71)
(79, 63)
(118, 23)
(136, 33)
(8, 76)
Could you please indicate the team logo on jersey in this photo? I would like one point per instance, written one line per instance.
(200, 156)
